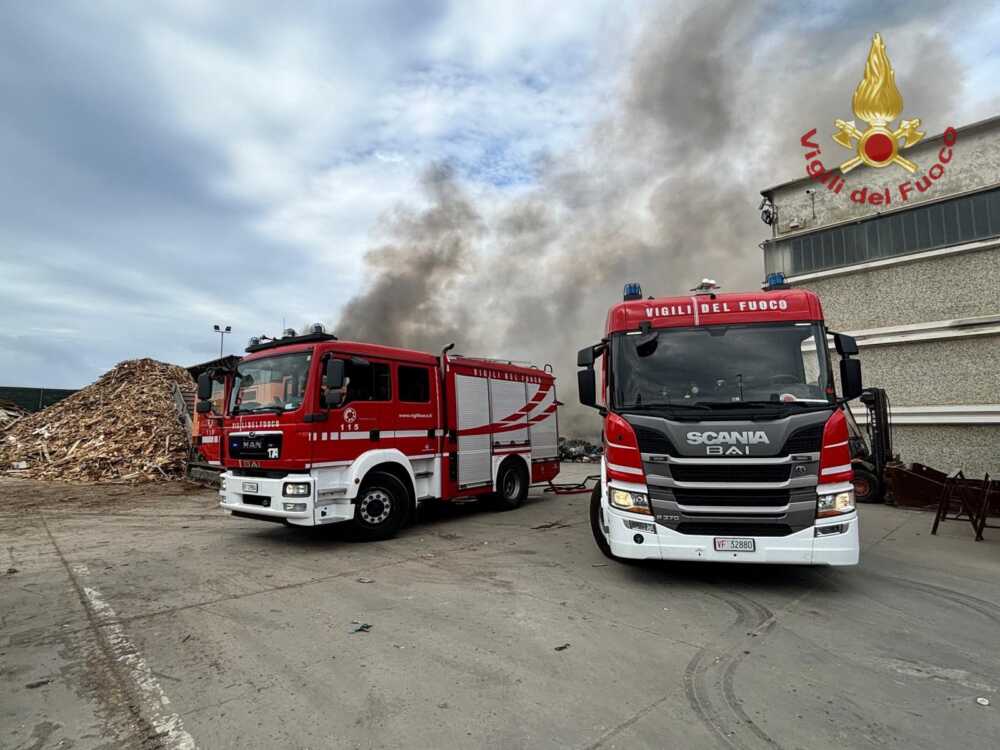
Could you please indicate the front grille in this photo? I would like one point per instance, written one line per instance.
(734, 529)
(255, 446)
(262, 500)
(654, 441)
(730, 472)
(744, 498)
(261, 473)
(805, 440)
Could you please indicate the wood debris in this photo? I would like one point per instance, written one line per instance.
(123, 428)
(10, 413)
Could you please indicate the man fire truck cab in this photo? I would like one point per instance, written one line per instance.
(319, 431)
(206, 427)
(723, 437)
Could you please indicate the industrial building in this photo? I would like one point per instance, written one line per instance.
(915, 280)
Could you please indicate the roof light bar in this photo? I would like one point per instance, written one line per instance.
(633, 291)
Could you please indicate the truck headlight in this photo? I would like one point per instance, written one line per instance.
(835, 503)
(294, 507)
(296, 489)
(635, 502)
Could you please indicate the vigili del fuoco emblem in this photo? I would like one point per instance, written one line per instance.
(878, 102)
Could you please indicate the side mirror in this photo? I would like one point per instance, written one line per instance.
(204, 386)
(850, 378)
(846, 345)
(334, 376)
(203, 407)
(586, 381)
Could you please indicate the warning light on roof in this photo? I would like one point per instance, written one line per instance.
(775, 280)
(633, 291)
(707, 286)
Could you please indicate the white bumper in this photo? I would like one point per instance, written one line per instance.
(804, 547)
(263, 498)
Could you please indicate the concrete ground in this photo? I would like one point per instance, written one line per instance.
(148, 619)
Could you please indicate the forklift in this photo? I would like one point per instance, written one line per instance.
(871, 446)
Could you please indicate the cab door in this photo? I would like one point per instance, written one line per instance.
(356, 418)
(363, 415)
(416, 412)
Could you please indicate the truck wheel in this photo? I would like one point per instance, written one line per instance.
(512, 486)
(597, 522)
(867, 487)
(380, 508)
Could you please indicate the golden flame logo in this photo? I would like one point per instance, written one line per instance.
(878, 102)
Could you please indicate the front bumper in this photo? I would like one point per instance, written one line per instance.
(262, 498)
(801, 548)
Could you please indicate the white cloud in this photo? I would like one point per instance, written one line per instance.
(176, 164)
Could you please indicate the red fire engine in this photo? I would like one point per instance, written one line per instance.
(320, 431)
(206, 427)
(724, 439)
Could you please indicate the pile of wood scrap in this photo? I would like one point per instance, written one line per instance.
(123, 428)
(10, 413)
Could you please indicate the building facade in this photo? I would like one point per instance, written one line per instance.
(916, 281)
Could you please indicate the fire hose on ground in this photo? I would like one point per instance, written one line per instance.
(569, 488)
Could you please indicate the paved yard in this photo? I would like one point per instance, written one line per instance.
(147, 618)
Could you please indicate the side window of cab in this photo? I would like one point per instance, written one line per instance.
(414, 384)
(363, 381)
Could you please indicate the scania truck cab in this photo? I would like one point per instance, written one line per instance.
(724, 438)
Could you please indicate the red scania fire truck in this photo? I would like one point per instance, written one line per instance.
(724, 439)
(320, 431)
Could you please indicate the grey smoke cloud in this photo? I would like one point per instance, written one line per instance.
(665, 191)
(416, 272)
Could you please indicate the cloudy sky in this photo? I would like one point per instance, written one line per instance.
(171, 165)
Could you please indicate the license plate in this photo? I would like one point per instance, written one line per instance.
(724, 544)
(250, 487)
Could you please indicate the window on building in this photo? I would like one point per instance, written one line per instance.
(950, 222)
(414, 384)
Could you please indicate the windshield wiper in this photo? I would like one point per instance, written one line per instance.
(666, 405)
(259, 410)
(739, 404)
(760, 403)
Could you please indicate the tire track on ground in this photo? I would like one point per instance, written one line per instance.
(986, 608)
(710, 675)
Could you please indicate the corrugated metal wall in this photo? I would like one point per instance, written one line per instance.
(33, 399)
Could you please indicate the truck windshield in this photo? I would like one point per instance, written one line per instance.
(270, 383)
(732, 366)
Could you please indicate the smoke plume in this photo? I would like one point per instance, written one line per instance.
(664, 192)
(411, 299)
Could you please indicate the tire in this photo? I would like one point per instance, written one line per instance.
(596, 512)
(867, 487)
(512, 486)
(381, 507)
